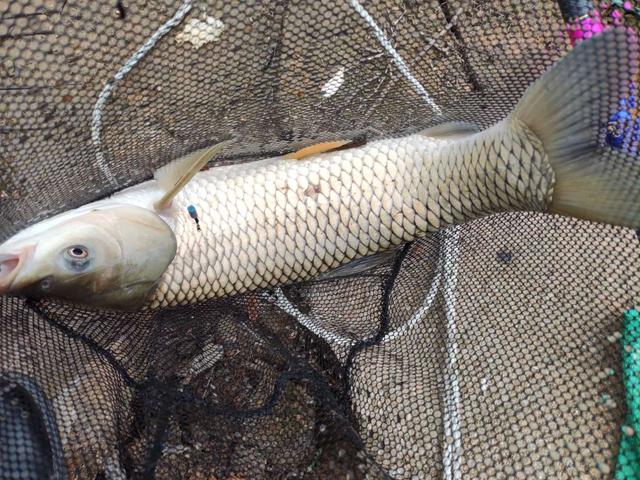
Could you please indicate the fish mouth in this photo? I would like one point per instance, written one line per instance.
(10, 265)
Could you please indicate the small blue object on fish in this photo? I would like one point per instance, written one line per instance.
(193, 213)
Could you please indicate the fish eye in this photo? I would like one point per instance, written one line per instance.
(77, 252)
(77, 258)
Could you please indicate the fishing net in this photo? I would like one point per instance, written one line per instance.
(489, 350)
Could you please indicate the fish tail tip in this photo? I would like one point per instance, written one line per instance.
(571, 109)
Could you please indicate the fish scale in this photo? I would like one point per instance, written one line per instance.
(288, 221)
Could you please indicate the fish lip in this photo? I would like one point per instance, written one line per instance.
(19, 257)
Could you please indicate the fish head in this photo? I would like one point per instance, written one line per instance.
(109, 257)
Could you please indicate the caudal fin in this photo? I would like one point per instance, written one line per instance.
(569, 108)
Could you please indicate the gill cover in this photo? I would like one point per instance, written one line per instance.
(109, 257)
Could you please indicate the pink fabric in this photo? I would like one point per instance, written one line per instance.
(585, 27)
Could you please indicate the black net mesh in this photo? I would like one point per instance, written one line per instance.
(483, 351)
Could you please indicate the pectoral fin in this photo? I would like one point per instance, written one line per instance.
(174, 176)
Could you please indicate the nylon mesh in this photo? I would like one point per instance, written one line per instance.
(489, 350)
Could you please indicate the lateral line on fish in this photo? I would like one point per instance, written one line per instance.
(316, 148)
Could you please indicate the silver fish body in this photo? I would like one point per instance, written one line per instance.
(278, 222)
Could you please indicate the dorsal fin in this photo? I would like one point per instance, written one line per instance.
(315, 149)
(175, 175)
(451, 130)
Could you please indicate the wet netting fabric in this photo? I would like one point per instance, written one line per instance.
(489, 350)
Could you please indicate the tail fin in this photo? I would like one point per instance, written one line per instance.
(568, 109)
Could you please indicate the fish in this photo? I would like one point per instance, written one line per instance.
(278, 221)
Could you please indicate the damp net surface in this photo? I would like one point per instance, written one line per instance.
(488, 350)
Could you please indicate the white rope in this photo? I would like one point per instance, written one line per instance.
(96, 118)
(314, 324)
(453, 438)
(446, 274)
(395, 56)
(282, 302)
(422, 310)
